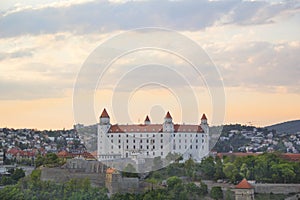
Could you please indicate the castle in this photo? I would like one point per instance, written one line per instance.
(147, 140)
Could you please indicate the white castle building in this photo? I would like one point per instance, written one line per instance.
(152, 140)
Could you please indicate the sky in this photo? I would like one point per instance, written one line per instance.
(253, 45)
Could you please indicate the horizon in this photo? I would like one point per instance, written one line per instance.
(249, 64)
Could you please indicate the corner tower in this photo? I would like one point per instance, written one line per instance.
(168, 125)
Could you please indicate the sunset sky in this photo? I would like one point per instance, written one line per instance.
(254, 45)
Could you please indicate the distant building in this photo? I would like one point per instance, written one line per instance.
(152, 140)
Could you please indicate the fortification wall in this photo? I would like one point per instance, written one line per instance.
(277, 188)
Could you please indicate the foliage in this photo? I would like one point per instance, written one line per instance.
(267, 168)
(32, 187)
(49, 160)
(216, 192)
(129, 171)
(16, 174)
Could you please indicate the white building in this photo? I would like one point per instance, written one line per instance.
(151, 140)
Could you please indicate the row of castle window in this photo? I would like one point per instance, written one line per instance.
(161, 135)
(161, 147)
(153, 141)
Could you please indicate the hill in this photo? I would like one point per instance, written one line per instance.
(286, 127)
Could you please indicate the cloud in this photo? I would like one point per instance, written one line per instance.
(16, 54)
(262, 66)
(105, 16)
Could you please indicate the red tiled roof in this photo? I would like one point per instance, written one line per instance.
(64, 154)
(291, 156)
(238, 154)
(104, 114)
(153, 128)
(244, 185)
(168, 115)
(203, 117)
(110, 170)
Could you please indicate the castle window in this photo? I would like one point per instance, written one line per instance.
(133, 146)
(126, 134)
(140, 134)
(191, 140)
(191, 147)
(197, 141)
(147, 134)
(127, 147)
(174, 147)
(196, 135)
(147, 146)
(111, 135)
(133, 135)
(162, 153)
(126, 141)
(141, 147)
(202, 146)
(196, 146)
(112, 146)
(179, 135)
(147, 141)
(112, 141)
(133, 141)
(119, 141)
(179, 146)
(119, 146)
(119, 135)
(147, 153)
(161, 141)
(153, 135)
(179, 140)
(141, 141)
(161, 147)
(185, 146)
(202, 140)
(185, 141)
(161, 135)
(153, 147)
(153, 153)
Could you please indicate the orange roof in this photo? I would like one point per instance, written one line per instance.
(168, 115)
(153, 128)
(244, 185)
(147, 119)
(203, 117)
(104, 114)
(291, 156)
(110, 170)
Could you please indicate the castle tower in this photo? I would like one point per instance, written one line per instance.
(147, 121)
(244, 191)
(204, 124)
(104, 118)
(168, 125)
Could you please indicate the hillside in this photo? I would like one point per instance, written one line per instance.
(286, 127)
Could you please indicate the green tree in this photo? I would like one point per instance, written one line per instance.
(207, 167)
(216, 192)
(129, 171)
(172, 181)
(17, 174)
(189, 167)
